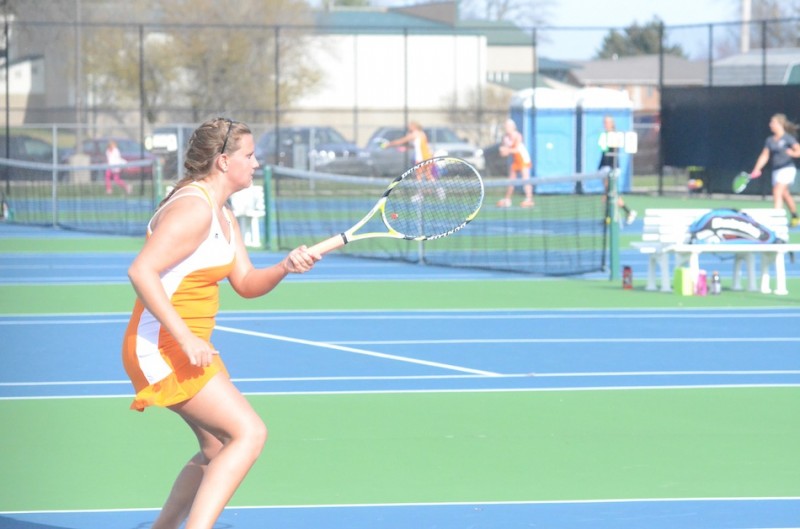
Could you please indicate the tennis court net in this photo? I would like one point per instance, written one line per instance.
(78, 197)
(564, 234)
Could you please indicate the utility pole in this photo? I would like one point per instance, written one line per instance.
(744, 36)
(78, 74)
(79, 158)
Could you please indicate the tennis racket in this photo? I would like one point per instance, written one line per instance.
(433, 199)
(740, 182)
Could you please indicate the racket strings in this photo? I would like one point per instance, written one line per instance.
(434, 199)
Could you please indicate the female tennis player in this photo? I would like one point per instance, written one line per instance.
(779, 149)
(191, 245)
(514, 146)
(419, 141)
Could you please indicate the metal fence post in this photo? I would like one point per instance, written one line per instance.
(269, 208)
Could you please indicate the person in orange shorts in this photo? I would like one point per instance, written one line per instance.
(192, 243)
(514, 146)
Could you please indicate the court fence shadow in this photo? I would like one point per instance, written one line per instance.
(10, 523)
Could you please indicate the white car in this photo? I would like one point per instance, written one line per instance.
(445, 142)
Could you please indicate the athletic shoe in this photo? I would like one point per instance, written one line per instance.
(794, 222)
(504, 203)
(631, 217)
(527, 203)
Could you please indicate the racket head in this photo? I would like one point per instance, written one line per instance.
(740, 182)
(433, 199)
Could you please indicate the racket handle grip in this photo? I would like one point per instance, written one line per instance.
(329, 245)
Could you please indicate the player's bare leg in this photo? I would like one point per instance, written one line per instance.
(791, 204)
(221, 410)
(505, 202)
(528, 202)
(779, 191)
(184, 490)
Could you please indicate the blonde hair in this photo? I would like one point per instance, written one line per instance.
(205, 145)
(787, 125)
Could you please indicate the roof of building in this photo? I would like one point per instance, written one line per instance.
(499, 33)
(782, 66)
(391, 20)
(641, 70)
(520, 81)
(782, 56)
(373, 20)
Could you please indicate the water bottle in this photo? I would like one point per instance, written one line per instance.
(716, 286)
(627, 278)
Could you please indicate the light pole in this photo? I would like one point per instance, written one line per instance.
(78, 84)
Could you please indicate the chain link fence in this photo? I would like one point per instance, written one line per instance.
(74, 85)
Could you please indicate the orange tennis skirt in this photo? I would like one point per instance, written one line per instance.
(182, 382)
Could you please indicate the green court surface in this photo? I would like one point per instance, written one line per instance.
(406, 295)
(420, 447)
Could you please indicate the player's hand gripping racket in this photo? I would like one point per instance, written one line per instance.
(433, 199)
(741, 180)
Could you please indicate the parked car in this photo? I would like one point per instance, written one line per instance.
(129, 149)
(313, 148)
(26, 148)
(169, 143)
(392, 161)
(496, 165)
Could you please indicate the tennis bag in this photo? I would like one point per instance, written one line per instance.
(730, 226)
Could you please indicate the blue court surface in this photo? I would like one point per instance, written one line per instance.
(665, 514)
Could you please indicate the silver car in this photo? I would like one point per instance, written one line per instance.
(392, 161)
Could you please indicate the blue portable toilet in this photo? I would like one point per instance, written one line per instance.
(592, 105)
(546, 119)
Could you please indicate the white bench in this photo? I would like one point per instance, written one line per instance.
(249, 208)
(666, 234)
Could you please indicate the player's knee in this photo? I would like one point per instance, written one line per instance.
(260, 434)
(254, 435)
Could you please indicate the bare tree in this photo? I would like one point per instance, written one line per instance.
(525, 13)
(230, 65)
(196, 54)
(766, 29)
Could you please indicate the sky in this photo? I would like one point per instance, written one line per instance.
(614, 14)
(623, 13)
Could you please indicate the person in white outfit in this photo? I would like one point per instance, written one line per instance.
(113, 157)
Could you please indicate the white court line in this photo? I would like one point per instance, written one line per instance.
(431, 377)
(564, 340)
(499, 314)
(495, 314)
(439, 391)
(356, 351)
(437, 504)
(510, 390)
(56, 266)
